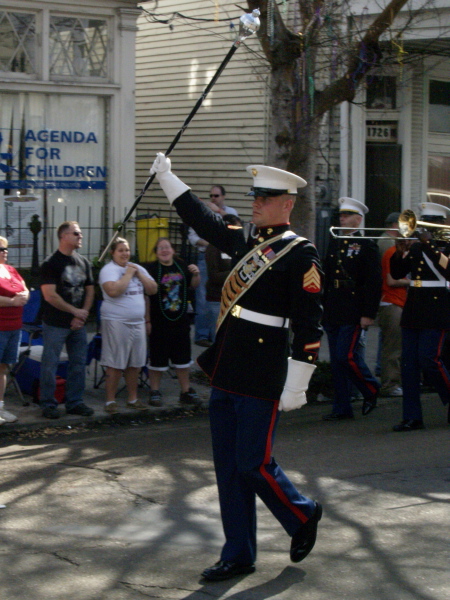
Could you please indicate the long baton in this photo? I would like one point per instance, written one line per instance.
(248, 24)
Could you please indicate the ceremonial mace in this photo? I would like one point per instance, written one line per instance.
(248, 24)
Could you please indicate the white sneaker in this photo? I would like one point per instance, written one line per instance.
(2, 421)
(7, 416)
(397, 392)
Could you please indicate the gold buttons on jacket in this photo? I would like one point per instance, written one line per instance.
(260, 340)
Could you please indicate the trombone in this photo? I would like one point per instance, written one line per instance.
(407, 224)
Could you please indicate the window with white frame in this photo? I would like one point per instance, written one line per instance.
(438, 189)
(78, 47)
(17, 42)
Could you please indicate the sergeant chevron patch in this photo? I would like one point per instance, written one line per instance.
(311, 280)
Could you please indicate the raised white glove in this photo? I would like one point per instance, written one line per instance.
(170, 184)
(298, 376)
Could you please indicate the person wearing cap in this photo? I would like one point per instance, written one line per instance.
(275, 279)
(388, 238)
(352, 295)
(426, 315)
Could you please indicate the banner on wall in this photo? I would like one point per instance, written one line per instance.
(45, 160)
(17, 214)
(52, 142)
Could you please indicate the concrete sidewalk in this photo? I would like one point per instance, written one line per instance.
(30, 416)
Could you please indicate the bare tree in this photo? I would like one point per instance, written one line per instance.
(313, 69)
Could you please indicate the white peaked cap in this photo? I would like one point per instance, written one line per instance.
(352, 205)
(433, 210)
(268, 180)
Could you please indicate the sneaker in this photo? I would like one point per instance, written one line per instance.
(51, 413)
(137, 405)
(190, 397)
(7, 416)
(397, 392)
(155, 398)
(2, 421)
(80, 409)
(394, 392)
(111, 408)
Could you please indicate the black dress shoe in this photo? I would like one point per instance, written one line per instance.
(225, 569)
(303, 541)
(369, 405)
(80, 409)
(336, 417)
(409, 425)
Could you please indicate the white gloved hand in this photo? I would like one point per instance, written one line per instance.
(298, 376)
(170, 184)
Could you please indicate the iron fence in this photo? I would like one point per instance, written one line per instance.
(33, 237)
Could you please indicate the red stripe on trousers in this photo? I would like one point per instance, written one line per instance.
(353, 364)
(268, 477)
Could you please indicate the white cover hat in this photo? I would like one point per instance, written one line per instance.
(270, 181)
(352, 205)
(433, 210)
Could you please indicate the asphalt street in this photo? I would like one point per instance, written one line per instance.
(126, 511)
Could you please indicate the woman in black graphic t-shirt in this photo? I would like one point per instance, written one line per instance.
(170, 335)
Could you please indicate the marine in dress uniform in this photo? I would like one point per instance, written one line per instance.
(426, 315)
(275, 279)
(352, 295)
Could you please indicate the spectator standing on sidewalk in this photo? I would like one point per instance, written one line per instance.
(393, 300)
(352, 295)
(13, 296)
(170, 340)
(204, 326)
(67, 288)
(125, 323)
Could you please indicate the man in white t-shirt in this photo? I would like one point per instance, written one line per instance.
(204, 329)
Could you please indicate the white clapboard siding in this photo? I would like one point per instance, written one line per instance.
(229, 131)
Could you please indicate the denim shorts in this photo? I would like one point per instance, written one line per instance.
(9, 346)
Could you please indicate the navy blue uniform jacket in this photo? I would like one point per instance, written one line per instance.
(248, 358)
(352, 280)
(425, 307)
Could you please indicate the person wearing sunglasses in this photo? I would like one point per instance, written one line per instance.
(204, 325)
(67, 287)
(13, 296)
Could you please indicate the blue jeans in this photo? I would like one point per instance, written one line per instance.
(421, 351)
(348, 367)
(54, 339)
(202, 326)
(243, 430)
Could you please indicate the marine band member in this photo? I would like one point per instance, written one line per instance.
(275, 279)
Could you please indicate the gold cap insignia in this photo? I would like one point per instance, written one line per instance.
(254, 172)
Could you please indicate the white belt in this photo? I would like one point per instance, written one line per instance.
(420, 283)
(256, 317)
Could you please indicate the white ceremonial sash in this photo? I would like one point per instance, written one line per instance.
(249, 269)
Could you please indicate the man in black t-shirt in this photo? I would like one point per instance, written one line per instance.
(67, 287)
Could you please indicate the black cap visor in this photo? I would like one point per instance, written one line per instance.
(265, 192)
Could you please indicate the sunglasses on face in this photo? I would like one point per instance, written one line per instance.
(3, 249)
(214, 195)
